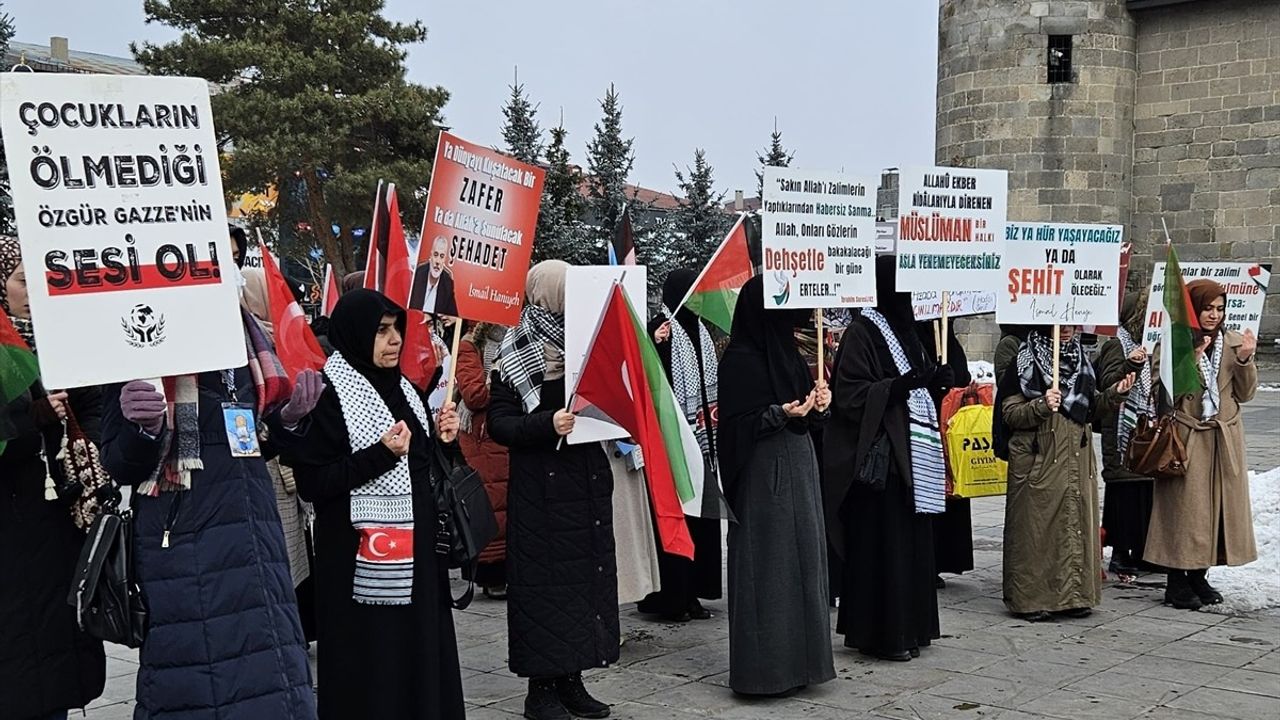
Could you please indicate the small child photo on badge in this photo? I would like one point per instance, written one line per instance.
(242, 435)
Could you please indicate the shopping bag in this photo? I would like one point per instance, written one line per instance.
(976, 470)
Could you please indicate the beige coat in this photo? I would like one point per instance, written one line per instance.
(1212, 501)
(1052, 549)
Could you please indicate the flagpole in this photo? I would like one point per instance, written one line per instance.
(822, 347)
(1057, 347)
(943, 330)
(937, 339)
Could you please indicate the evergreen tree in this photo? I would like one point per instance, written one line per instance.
(609, 161)
(6, 198)
(312, 90)
(775, 156)
(701, 217)
(562, 234)
(520, 130)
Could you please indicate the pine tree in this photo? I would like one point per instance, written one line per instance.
(520, 130)
(312, 90)
(701, 217)
(609, 161)
(562, 234)
(6, 198)
(775, 156)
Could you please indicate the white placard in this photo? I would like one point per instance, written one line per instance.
(818, 239)
(1246, 285)
(886, 237)
(1060, 274)
(120, 211)
(586, 290)
(950, 222)
(927, 305)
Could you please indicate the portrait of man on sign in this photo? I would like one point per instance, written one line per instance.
(433, 283)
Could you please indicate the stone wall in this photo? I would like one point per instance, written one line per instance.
(1068, 147)
(1207, 135)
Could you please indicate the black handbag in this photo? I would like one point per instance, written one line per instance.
(466, 523)
(873, 473)
(104, 590)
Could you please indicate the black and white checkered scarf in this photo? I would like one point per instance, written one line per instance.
(522, 359)
(1035, 374)
(689, 376)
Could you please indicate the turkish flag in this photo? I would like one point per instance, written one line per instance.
(386, 544)
(329, 296)
(296, 344)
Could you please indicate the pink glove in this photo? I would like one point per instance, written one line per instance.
(143, 406)
(307, 388)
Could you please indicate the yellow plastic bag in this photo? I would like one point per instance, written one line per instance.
(974, 465)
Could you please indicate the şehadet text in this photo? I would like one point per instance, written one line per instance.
(111, 269)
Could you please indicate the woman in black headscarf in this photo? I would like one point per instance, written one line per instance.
(885, 387)
(689, 357)
(387, 644)
(779, 621)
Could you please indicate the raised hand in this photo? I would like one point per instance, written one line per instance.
(1249, 345)
(447, 423)
(1203, 347)
(1139, 355)
(1125, 383)
(307, 388)
(397, 439)
(663, 333)
(800, 409)
(141, 405)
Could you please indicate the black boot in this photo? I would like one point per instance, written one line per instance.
(1200, 586)
(542, 704)
(1178, 592)
(575, 698)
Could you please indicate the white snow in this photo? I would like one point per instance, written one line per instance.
(1255, 586)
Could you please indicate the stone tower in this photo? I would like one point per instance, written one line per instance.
(1044, 89)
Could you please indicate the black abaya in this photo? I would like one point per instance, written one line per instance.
(375, 661)
(953, 529)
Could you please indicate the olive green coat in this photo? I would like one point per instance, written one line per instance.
(1191, 514)
(1112, 366)
(1052, 549)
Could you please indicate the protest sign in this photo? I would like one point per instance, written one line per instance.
(1060, 274)
(586, 290)
(477, 234)
(119, 206)
(950, 221)
(927, 305)
(818, 239)
(1246, 285)
(1126, 255)
(886, 238)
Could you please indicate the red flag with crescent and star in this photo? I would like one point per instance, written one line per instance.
(386, 544)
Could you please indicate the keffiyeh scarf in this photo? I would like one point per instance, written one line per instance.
(689, 378)
(1209, 364)
(180, 446)
(522, 359)
(1035, 373)
(1139, 401)
(928, 469)
(381, 509)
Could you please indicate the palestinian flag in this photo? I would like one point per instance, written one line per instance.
(296, 344)
(714, 294)
(18, 370)
(1179, 327)
(622, 247)
(643, 404)
(329, 296)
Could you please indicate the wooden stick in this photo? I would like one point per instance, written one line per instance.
(1057, 348)
(822, 347)
(937, 339)
(453, 359)
(946, 300)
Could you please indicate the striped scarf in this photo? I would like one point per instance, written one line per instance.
(522, 359)
(382, 508)
(689, 377)
(180, 445)
(1138, 402)
(928, 469)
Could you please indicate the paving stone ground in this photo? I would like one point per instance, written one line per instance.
(1133, 658)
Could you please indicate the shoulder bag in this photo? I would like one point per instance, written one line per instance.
(465, 519)
(1156, 449)
(104, 590)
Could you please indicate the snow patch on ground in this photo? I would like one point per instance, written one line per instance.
(1255, 586)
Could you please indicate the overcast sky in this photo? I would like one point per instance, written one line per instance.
(851, 82)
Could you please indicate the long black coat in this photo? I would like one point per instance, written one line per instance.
(224, 637)
(562, 576)
(46, 663)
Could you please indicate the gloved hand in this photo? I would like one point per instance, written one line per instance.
(143, 406)
(307, 388)
(904, 384)
(944, 378)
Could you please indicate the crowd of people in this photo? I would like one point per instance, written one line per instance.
(835, 478)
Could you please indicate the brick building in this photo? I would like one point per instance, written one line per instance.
(1128, 112)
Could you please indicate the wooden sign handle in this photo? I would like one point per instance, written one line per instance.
(946, 300)
(1057, 350)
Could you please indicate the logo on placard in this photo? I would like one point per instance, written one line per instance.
(784, 288)
(143, 327)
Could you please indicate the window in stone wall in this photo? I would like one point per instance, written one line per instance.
(1059, 59)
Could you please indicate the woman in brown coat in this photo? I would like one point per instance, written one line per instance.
(1052, 556)
(1204, 519)
(475, 361)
